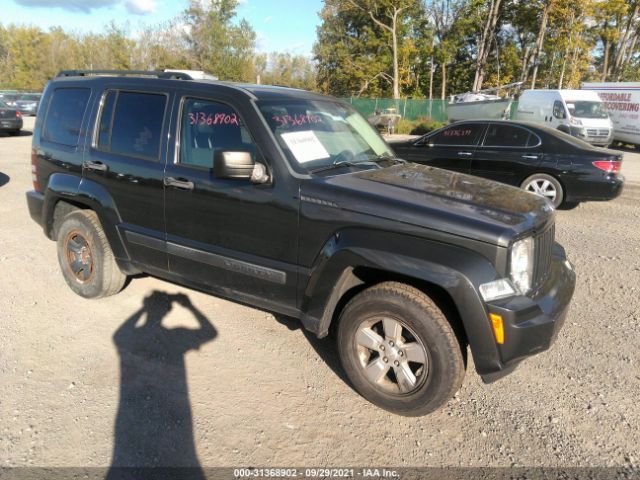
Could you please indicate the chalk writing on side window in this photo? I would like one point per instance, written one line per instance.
(203, 118)
(296, 120)
(457, 133)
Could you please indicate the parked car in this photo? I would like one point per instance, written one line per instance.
(9, 99)
(290, 201)
(539, 159)
(28, 103)
(10, 119)
(580, 113)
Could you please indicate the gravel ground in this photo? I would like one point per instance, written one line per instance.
(244, 388)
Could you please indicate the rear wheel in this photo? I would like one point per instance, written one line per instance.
(86, 260)
(545, 185)
(14, 133)
(399, 350)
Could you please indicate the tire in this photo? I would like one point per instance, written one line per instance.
(14, 133)
(86, 260)
(425, 344)
(546, 186)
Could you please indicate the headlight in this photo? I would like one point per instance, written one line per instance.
(521, 265)
(575, 121)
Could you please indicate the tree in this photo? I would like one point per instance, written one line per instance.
(449, 28)
(286, 69)
(484, 47)
(618, 29)
(215, 44)
(367, 45)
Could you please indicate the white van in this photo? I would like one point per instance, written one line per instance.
(580, 113)
(622, 101)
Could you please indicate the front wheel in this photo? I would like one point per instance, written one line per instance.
(86, 260)
(399, 351)
(545, 185)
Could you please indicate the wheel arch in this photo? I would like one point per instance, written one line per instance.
(363, 277)
(66, 193)
(448, 279)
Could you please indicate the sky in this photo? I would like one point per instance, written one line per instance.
(280, 25)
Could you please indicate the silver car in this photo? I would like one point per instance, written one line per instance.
(28, 103)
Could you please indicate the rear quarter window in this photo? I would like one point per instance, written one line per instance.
(64, 115)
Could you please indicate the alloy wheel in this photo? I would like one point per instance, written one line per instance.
(391, 355)
(543, 187)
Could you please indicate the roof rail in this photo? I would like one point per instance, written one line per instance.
(149, 73)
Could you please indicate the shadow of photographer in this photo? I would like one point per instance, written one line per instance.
(154, 426)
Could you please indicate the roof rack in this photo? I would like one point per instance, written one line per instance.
(149, 73)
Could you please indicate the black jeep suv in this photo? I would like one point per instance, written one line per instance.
(290, 201)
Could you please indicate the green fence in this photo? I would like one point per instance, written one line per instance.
(410, 109)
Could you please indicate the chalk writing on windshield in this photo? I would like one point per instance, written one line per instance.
(296, 120)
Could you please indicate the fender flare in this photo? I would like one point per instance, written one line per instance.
(89, 194)
(454, 269)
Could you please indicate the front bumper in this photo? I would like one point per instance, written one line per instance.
(531, 324)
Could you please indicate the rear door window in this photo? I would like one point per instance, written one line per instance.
(131, 124)
(64, 115)
(500, 135)
(458, 135)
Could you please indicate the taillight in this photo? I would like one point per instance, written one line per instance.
(18, 114)
(34, 170)
(609, 166)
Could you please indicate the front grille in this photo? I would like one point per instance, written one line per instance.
(543, 249)
(594, 132)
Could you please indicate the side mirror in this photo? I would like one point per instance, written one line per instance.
(239, 165)
(233, 164)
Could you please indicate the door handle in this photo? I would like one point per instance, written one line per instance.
(465, 154)
(98, 166)
(531, 157)
(177, 183)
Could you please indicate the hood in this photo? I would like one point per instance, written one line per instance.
(595, 122)
(436, 199)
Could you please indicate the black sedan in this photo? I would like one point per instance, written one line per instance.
(539, 159)
(10, 119)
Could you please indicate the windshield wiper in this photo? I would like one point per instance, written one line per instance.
(373, 162)
(333, 166)
(381, 158)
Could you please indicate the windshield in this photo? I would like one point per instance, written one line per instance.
(586, 109)
(3, 105)
(33, 98)
(319, 133)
